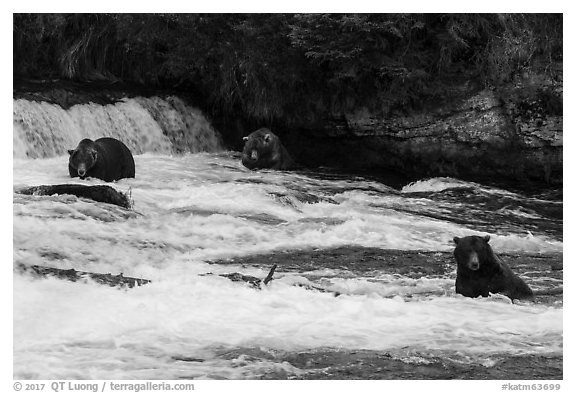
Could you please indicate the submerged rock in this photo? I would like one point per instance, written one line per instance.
(75, 275)
(98, 193)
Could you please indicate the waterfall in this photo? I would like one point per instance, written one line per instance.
(161, 125)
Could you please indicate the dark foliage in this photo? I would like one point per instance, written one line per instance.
(293, 68)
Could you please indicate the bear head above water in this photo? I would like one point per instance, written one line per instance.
(263, 150)
(480, 271)
(107, 159)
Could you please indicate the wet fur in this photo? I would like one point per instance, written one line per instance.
(492, 274)
(263, 149)
(107, 159)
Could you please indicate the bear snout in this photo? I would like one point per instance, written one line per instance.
(250, 158)
(473, 262)
(82, 170)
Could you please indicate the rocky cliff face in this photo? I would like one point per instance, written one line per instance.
(500, 134)
(510, 133)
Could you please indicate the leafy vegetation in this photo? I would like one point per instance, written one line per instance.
(290, 68)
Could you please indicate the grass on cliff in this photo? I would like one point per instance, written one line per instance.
(290, 68)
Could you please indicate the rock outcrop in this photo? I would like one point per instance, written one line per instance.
(499, 134)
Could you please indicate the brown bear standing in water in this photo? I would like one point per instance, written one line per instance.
(480, 271)
(107, 159)
(263, 149)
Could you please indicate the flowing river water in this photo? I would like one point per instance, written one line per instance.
(197, 210)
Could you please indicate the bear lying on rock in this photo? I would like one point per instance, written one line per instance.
(107, 159)
(481, 272)
(263, 149)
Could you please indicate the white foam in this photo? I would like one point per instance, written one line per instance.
(65, 329)
(435, 184)
(197, 207)
(45, 130)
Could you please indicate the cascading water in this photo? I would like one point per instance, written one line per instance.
(159, 125)
(205, 213)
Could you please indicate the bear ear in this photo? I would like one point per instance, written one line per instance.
(71, 151)
(94, 155)
(487, 238)
(267, 138)
(245, 138)
(456, 239)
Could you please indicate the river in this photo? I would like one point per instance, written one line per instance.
(386, 250)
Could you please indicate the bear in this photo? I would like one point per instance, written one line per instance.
(107, 159)
(480, 271)
(263, 150)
